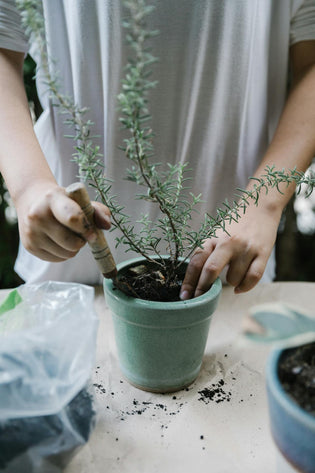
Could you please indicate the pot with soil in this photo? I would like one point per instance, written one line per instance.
(291, 396)
(160, 344)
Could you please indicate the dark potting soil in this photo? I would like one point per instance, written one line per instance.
(150, 282)
(215, 393)
(297, 375)
(54, 436)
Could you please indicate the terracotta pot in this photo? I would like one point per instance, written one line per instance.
(160, 344)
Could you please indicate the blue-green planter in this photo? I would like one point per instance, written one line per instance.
(160, 344)
(293, 429)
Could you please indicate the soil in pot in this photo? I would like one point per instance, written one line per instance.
(296, 372)
(151, 282)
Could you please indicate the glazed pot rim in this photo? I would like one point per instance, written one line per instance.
(281, 396)
(211, 294)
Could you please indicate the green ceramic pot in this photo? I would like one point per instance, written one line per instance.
(160, 344)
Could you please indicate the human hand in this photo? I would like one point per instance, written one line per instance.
(245, 252)
(52, 226)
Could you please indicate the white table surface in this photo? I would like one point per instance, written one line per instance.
(140, 432)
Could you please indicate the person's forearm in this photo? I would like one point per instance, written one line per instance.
(21, 158)
(293, 144)
(51, 225)
(247, 247)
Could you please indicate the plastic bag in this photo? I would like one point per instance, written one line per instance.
(47, 353)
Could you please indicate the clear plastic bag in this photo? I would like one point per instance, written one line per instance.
(47, 353)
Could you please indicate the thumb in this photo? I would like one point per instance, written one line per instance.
(101, 215)
(70, 214)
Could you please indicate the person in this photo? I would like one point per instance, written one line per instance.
(221, 104)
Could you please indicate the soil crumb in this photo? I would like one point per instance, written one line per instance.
(216, 393)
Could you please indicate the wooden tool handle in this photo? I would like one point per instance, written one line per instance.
(99, 247)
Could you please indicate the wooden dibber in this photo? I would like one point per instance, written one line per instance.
(99, 247)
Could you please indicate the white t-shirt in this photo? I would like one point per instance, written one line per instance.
(222, 77)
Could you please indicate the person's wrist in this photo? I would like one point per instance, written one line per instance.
(34, 189)
(273, 201)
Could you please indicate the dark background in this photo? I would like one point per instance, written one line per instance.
(295, 251)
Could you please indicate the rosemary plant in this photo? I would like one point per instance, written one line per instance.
(168, 189)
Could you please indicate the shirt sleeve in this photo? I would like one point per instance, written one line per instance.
(12, 35)
(303, 23)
